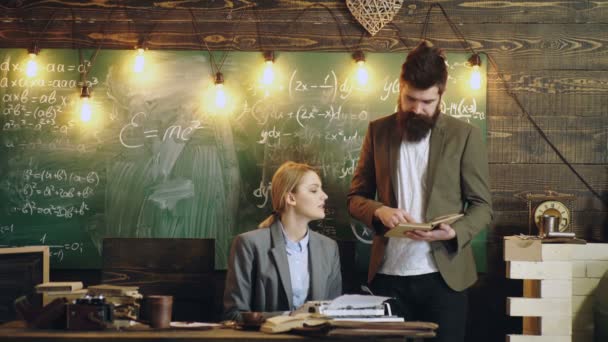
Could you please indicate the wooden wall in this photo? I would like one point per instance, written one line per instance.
(553, 56)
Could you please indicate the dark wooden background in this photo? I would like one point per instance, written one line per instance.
(553, 56)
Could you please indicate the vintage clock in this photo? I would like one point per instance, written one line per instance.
(552, 204)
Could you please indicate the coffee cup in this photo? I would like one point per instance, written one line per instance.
(156, 311)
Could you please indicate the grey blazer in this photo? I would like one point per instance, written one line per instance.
(258, 272)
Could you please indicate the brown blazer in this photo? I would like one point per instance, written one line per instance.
(457, 181)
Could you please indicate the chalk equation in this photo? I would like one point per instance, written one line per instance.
(329, 86)
(23, 111)
(264, 111)
(56, 144)
(91, 177)
(262, 192)
(272, 137)
(33, 189)
(58, 251)
(31, 208)
(5, 229)
(465, 109)
(132, 134)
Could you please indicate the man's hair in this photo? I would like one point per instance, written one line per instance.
(424, 68)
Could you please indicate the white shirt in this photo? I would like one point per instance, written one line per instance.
(405, 256)
(297, 257)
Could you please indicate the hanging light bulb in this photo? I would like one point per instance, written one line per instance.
(86, 113)
(362, 73)
(475, 62)
(138, 67)
(268, 73)
(31, 68)
(220, 93)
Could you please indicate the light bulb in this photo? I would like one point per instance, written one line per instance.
(220, 95)
(362, 74)
(86, 113)
(475, 80)
(139, 61)
(32, 67)
(268, 74)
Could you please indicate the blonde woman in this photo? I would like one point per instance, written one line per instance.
(281, 265)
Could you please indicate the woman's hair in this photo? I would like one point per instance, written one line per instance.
(285, 180)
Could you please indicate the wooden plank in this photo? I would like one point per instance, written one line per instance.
(517, 249)
(555, 288)
(531, 338)
(182, 268)
(507, 180)
(537, 307)
(533, 46)
(556, 326)
(581, 140)
(592, 251)
(579, 269)
(547, 92)
(573, 11)
(530, 177)
(160, 255)
(583, 201)
(531, 325)
(539, 270)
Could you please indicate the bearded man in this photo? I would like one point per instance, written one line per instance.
(415, 165)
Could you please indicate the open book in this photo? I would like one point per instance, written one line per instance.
(401, 228)
(279, 324)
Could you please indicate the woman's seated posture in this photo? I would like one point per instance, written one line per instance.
(281, 265)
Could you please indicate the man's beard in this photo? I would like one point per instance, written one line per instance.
(415, 126)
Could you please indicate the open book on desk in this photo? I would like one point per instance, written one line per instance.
(402, 228)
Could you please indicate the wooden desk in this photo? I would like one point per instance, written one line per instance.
(15, 331)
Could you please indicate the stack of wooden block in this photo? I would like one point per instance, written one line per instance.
(589, 264)
(546, 307)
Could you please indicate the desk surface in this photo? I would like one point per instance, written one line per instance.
(15, 331)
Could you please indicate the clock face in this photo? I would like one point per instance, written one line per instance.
(553, 208)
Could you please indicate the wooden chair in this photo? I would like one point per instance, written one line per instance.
(182, 268)
(21, 268)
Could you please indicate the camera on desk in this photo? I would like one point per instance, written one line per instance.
(89, 313)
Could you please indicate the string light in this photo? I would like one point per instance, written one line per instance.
(475, 80)
(139, 64)
(86, 112)
(268, 73)
(362, 73)
(31, 68)
(220, 92)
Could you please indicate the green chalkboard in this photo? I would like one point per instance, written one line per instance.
(159, 159)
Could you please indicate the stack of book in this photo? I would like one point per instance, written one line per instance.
(361, 308)
(52, 290)
(125, 299)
